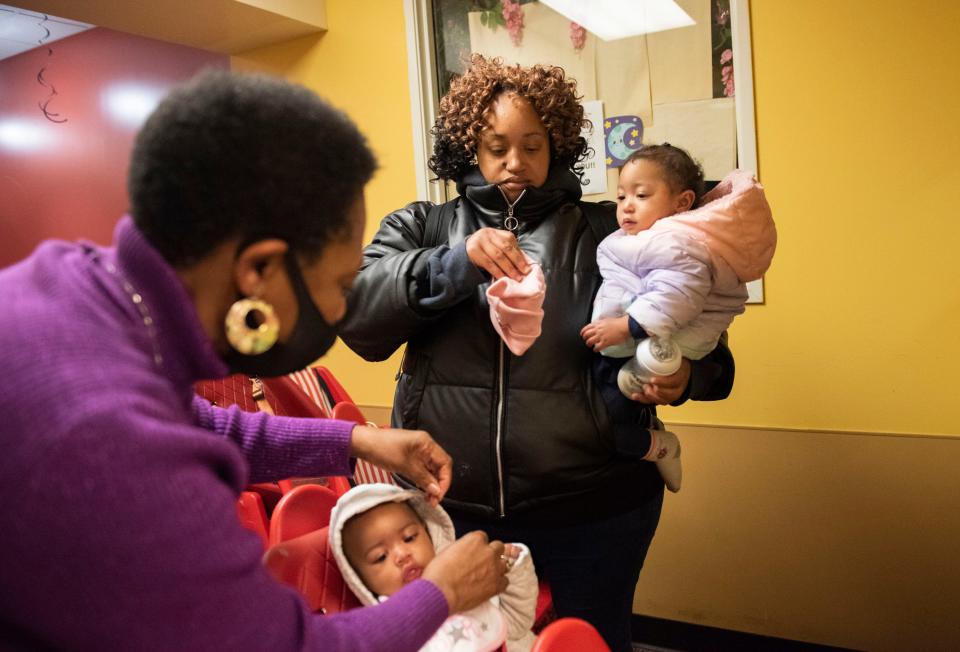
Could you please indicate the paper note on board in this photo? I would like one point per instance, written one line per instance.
(595, 168)
(706, 128)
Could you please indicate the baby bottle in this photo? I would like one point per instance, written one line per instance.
(655, 357)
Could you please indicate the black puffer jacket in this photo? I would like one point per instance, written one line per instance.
(528, 435)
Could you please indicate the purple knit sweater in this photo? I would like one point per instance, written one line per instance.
(118, 524)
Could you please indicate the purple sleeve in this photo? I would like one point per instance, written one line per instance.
(404, 622)
(280, 447)
(146, 511)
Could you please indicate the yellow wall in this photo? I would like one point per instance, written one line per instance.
(360, 66)
(857, 150)
(858, 142)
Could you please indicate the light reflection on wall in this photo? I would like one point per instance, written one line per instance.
(129, 103)
(25, 135)
(68, 180)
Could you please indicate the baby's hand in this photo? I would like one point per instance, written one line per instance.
(606, 332)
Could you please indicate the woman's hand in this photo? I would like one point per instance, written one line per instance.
(469, 571)
(497, 252)
(664, 390)
(511, 553)
(411, 453)
(602, 333)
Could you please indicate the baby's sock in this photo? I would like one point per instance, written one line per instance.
(665, 453)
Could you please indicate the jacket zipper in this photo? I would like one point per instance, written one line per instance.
(499, 440)
(510, 223)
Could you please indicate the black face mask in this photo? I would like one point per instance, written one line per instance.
(312, 336)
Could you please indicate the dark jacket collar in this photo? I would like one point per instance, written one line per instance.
(561, 187)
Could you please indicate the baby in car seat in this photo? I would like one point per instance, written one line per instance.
(383, 536)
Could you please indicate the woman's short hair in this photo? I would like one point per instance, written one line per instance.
(680, 171)
(231, 155)
(461, 118)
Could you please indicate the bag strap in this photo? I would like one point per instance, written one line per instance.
(601, 219)
(260, 395)
(436, 230)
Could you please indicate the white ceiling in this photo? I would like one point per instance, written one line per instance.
(22, 30)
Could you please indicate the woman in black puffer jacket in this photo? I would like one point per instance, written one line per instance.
(533, 456)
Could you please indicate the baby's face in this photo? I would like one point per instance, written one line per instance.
(644, 196)
(388, 546)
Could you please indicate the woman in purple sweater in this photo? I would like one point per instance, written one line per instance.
(117, 484)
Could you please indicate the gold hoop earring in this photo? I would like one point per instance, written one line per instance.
(251, 326)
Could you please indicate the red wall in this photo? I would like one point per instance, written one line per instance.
(68, 180)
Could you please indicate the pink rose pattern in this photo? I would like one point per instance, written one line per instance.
(513, 16)
(578, 36)
(723, 43)
(726, 72)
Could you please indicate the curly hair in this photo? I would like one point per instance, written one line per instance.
(680, 171)
(228, 155)
(463, 109)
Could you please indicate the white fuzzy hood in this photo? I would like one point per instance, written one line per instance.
(507, 617)
(367, 496)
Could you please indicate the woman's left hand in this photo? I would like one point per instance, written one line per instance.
(664, 390)
(411, 453)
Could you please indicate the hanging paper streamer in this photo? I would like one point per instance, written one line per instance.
(623, 135)
(45, 103)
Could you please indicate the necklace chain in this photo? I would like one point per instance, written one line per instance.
(141, 306)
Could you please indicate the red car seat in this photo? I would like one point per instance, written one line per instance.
(306, 564)
(252, 514)
(569, 635)
(304, 509)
